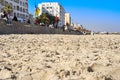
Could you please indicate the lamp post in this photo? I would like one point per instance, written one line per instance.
(33, 19)
(35, 6)
(35, 3)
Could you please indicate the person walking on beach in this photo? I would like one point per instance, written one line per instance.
(63, 27)
(15, 18)
(56, 21)
(8, 19)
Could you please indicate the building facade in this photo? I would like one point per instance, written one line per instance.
(20, 8)
(55, 9)
(67, 18)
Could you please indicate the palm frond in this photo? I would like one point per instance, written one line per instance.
(8, 8)
(37, 11)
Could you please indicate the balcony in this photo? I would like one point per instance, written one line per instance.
(26, 4)
(2, 2)
(17, 1)
(18, 8)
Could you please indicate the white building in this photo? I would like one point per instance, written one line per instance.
(55, 9)
(67, 18)
(20, 8)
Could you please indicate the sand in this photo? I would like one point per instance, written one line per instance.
(59, 57)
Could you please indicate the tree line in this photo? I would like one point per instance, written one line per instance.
(46, 19)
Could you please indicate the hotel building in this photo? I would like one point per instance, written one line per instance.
(55, 9)
(67, 18)
(20, 8)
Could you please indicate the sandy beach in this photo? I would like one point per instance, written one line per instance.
(59, 57)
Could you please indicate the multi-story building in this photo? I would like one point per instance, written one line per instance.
(67, 18)
(55, 9)
(20, 8)
(1, 4)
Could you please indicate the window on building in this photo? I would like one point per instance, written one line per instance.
(21, 15)
(17, 14)
(20, 2)
(6, 2)
(26, 16)
(47, 7)
(43, 5)
(23, 4)
(14, 14)
(21, 9)
(11, 14)
(26, 4)
(14, 8)
(17, 1)
(26, 10)
(18, 8)
(2, 2)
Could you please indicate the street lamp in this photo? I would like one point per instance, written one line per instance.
(35, 3)
(33, 19)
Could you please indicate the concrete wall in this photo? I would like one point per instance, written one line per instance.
(22, 28)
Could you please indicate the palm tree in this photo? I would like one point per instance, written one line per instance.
(8, 8)
(46, 18)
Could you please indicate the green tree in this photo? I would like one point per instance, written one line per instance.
(67, 24)
(52, 19)
(46, 18)
(8, 8)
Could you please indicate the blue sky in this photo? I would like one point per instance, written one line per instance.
(95, 15)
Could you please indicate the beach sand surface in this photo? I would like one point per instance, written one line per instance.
(59, 57)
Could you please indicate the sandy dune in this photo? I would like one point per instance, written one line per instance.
(59, 57)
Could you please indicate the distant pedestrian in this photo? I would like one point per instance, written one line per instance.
(56, 25)
(107, 33)
(35, 21)
(8, 20)
(63, 27)
(15, 18)
(92, 33)
(28, 21)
